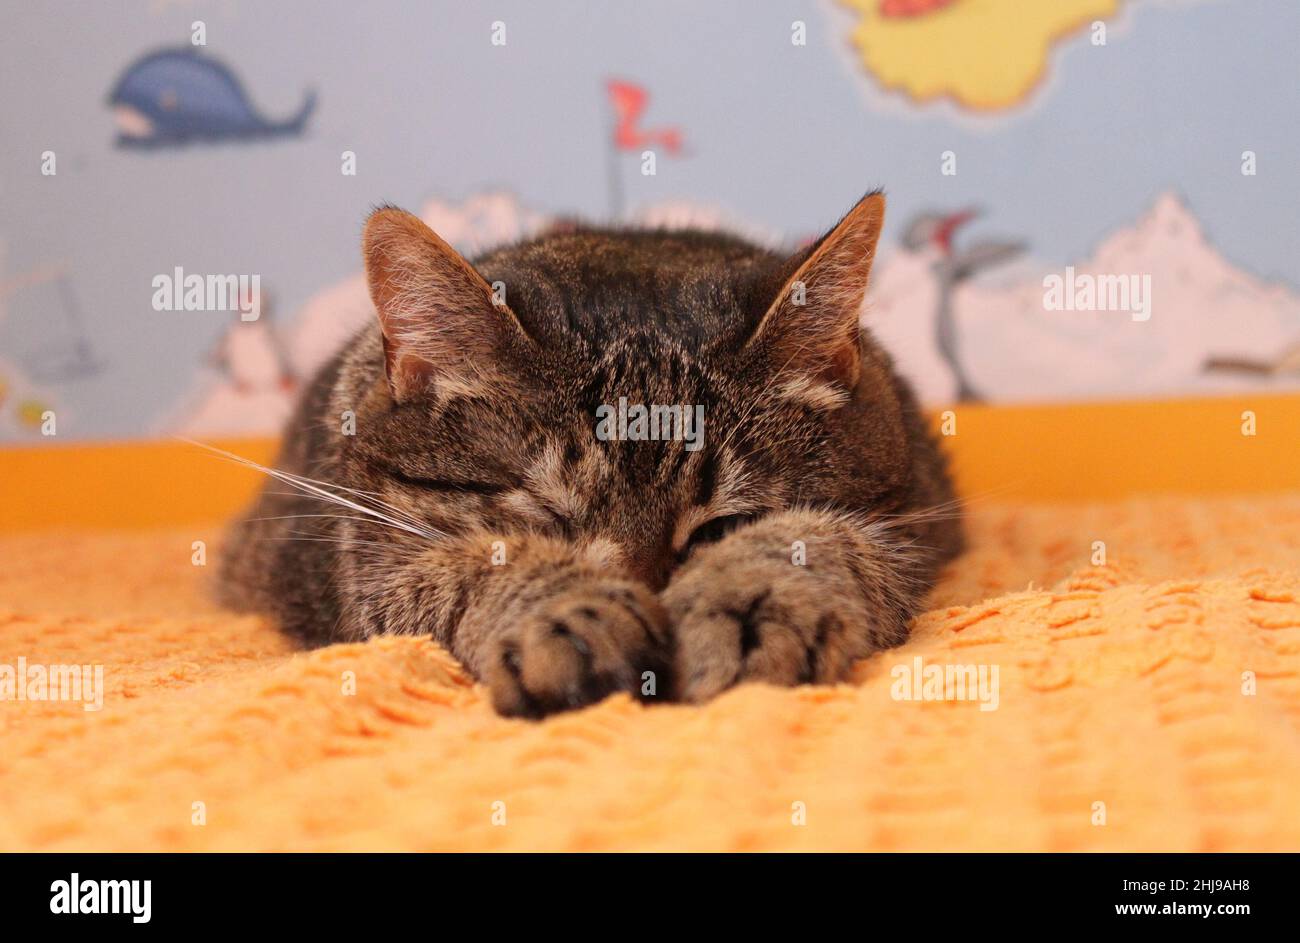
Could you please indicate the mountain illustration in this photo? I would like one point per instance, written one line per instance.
(1203, 309)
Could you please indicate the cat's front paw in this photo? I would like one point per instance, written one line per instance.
(771, 623)
(578, 647)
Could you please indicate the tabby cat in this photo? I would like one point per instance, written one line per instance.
(448, 473)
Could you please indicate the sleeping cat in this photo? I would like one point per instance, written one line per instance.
(476, 466)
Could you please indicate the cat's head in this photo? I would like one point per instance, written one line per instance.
(637, 392)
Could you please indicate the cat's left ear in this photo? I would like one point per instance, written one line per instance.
(811, 327)
(441, 322)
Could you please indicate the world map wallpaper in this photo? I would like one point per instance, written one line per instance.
(1020, 145)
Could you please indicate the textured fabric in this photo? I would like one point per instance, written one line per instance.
(1120, 684)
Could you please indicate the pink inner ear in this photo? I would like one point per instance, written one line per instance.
(845, 363)
(406, 373)
(821, 335)
(435, 310)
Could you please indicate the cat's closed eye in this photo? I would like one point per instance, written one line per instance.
(444, 484)
(714, 530)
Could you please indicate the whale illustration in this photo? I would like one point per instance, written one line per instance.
(174, 96)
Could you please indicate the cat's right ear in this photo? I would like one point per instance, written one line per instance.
(812, 326)
(440, 320)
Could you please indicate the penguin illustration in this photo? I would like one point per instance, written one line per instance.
(931, 235)
(251, 356)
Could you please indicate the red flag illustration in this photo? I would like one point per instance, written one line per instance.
(629, 102)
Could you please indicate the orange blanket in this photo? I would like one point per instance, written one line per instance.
(1150, 702)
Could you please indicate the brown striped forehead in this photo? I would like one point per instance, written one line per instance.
(601, 285)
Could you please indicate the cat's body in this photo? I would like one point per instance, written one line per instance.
(486, 507)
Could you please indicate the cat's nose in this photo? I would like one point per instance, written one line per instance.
(654, 577)
(650, 566)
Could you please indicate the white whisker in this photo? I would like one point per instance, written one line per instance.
(321, 490)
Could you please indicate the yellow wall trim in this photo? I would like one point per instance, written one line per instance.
(1056, 452)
